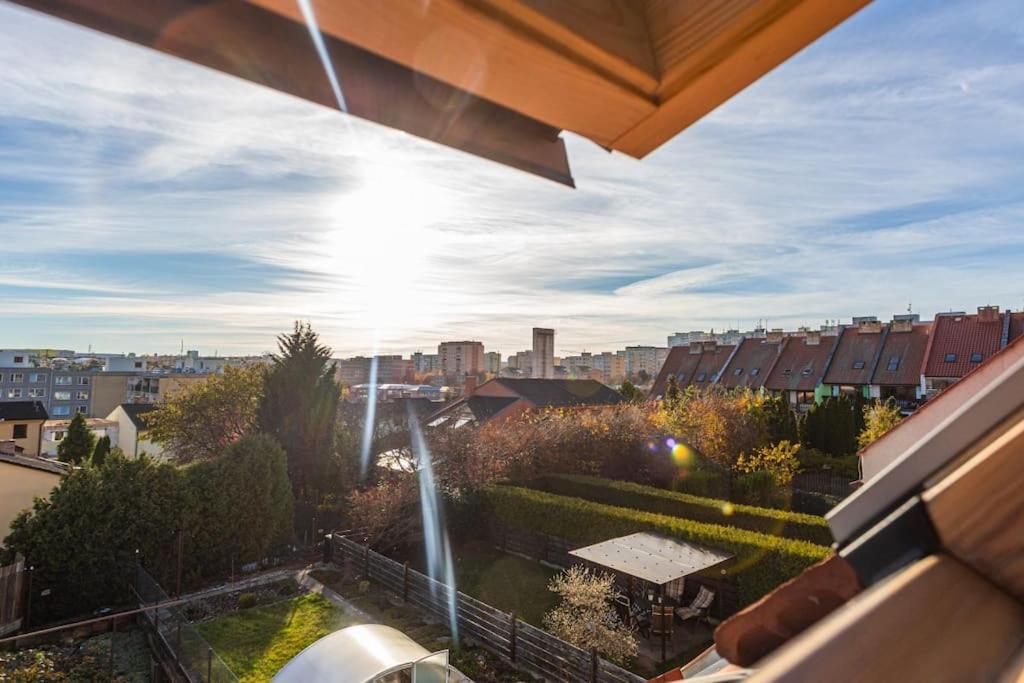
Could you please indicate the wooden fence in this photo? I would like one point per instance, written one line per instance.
(12, 596)
(500, 632)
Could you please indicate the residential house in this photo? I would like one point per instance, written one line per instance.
(712, 360)
(897, 374)
(23, 478)
(748, 366)
(682, 362)
(850, 368)
(503, 397)
(132, 431)
(54, 431)
(959, 343)
(21, 423)
(798, 371)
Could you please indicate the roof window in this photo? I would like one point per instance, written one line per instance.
(754, 372)
(738, 372)
(950, 357)
(894, 363)
(808, 370)
(976, 357)
(858, 365)
(700, 376)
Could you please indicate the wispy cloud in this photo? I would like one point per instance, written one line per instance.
(144, 200)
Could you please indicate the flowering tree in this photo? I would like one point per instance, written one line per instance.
(586, 617)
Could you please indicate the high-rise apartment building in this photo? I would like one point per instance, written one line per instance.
(461, 358)
(543, 353)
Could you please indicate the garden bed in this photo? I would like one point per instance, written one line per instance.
(84, 660)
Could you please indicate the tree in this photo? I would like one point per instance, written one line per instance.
(202, 420)
(77, 444)
(831, 426)
(671, 390)
(643, 377)
(630, 392)
(879, 418)
(100, 453)
(585, 615)
(299, 406)
(779, 461)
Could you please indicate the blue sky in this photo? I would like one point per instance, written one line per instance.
(144, 201)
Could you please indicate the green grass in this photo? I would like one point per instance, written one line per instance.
(507, 582)
(255, 643)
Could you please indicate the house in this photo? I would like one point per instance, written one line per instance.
(897, 375)
(851, 366)
(504, 397)
(800, 367)
(959, 343)
(698, 364)
(748, 367)
(21, 422)
(132, 436)
(23, 478)
(54, 432)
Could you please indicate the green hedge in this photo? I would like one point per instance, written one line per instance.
(651, 499)
(762, 561)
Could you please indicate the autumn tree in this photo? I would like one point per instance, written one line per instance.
(77, 444)
(298, 407)
(585, 615)
(202, 420)
(879, 418)
(779, 461)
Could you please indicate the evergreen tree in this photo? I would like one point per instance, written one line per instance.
(299, 407)
(630, 392)
(76, 446)
(100, 453)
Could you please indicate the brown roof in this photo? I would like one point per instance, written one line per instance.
(800, 365)
(1016, 328)
(750, 364)
(855, 356)
(681, 363)
(710, 364)
(902, 357)
(959, 343)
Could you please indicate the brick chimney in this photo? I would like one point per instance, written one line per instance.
(989, 314)
(865, 326)
(710, 346)
(812, 337)
(469, 388)
(901, 324)
(774, 336)
(696, 347)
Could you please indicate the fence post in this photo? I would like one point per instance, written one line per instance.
(512, 639)
(209, 665)
(405, 582)
(593, 665)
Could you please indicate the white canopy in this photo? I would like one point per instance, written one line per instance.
(359, 654)
(650, 557)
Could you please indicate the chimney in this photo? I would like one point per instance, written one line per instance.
(775, 336)
(869, 326)
(469, 388)
(901, 324)
(710, 346)
(696, 347)
(813, 337)
(988, 314)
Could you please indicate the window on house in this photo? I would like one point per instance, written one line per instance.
(36, 378)
(82, 395)
(58, 436)
(807, 371)
(701, 376)
(60, 411)
(81, 409)
(37, 393)
(14, 393)
(976, 357)
(138, 364)
(62, 379)
(950, 357)
(787, 372)
(738, 372)
(17, 377)
(62, 396)
(20, 431)
(754, 372)
(858, 365)
(19, 359)
(894, 363)
(681, 376)
(83, 380)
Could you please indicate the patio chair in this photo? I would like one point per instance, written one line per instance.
(699, 607)
(661, 620)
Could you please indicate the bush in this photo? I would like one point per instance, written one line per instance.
(83, 539)
(758, 488)
(246, 600)
(813, 460)
(762, 562)
(714, 511)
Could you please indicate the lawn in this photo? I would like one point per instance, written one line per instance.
(256, 642)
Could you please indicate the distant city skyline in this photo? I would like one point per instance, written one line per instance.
(146, 201)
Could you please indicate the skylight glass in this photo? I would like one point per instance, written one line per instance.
(858, 365)
(976, 357)
(950, 357)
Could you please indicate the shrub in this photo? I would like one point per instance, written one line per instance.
(762, 562)
(714, 511)
(879, 418)
(585, 615)
(246, 600)
(778, 461)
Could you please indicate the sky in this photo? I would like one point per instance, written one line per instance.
(147, 203)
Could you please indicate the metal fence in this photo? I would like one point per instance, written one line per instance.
(827, 483)
(497, 631)
(177, 638)
(12, 596)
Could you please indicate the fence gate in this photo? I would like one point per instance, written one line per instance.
(12, 596)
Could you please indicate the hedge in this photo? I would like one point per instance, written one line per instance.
(762, 561)
(651, 499)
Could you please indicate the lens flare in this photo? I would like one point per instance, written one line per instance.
(727, 509)
(683, 455)
(371, 416)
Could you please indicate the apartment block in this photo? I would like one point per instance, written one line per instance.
(461, 358)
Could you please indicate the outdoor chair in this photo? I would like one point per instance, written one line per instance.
(661, 620)
(699, 607)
